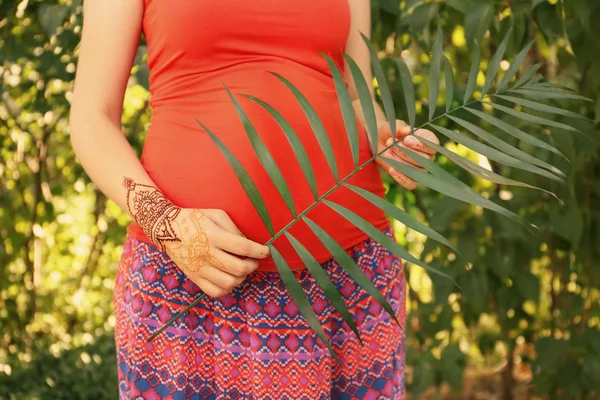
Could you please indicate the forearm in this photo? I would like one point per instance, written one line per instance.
(113, 166)
(379, 114)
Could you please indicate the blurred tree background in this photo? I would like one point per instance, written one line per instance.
(526, 323)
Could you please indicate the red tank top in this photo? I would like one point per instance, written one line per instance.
(196, 46)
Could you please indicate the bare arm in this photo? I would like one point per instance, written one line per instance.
(357, 49)
(204, 243)
(110, 37)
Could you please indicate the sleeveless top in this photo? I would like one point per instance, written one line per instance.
(195, 47)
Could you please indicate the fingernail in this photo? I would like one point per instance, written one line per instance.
(389, 142)
(412, 142)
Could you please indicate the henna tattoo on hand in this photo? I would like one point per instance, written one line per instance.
(195, 253)
(157, 217)
(152, 211)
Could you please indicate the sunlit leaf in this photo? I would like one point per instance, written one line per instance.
(450, 187)
(547, 94)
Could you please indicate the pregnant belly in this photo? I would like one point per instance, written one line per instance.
(188, 167)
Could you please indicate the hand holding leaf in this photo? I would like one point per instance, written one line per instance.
(404, 139)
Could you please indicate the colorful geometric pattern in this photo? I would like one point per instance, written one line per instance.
(253, 343)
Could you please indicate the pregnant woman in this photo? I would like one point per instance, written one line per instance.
(193, 228)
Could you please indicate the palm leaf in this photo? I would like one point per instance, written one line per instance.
(381, 237)
(548, 94)
(346, 108)
(449, 75)
(534, 105)
(322, 279)
(434, 69)
(491, 153)
(477, 170)
(430, 174)
(514, 67)
(449, 186)
(527, 75)
(386, 94)
(366, 101)
(295, 143)
(244, 178)
(474, 71)
(315, 123)
(402, 216)
(519, 134)
(264, 155)
(534, 119)
(297, 294)
(495, 64)
(350, 266)
(529, 162)
(409, 91)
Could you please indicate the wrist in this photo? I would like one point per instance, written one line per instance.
(152, 211)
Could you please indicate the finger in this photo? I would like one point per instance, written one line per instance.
(399, 177)
(414, 143)
(385, 134)
(221, 278)
(402, 128)
(222, 219)
(397, 154)
(234, 265)
(210, 288)
(404, 156)
(239, 245)
(402, 179)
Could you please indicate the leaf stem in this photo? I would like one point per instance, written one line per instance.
(175, 318)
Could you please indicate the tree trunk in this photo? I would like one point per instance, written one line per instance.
(508, 381)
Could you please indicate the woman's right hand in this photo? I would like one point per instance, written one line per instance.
(204, 243)
(212, 251)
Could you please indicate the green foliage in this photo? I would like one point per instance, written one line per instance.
(528, 303)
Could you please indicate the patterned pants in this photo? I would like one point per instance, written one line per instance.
(253, 343)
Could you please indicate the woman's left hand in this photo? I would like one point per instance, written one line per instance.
(402, 129)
